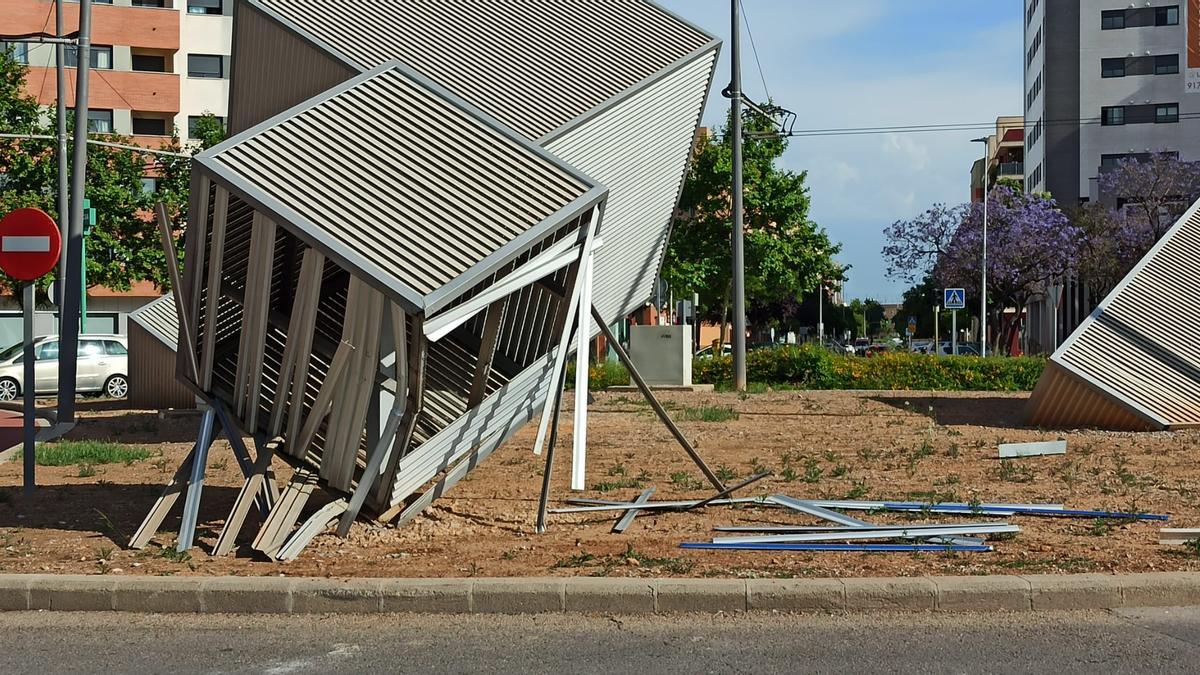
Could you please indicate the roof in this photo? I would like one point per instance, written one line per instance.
(535, 65)
(403, 181)
(1131, 350)
(159, 319)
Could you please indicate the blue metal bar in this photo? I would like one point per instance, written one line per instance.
(1023, 511)
(852, 548)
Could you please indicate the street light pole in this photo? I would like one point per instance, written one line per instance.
(60, 56)
(735, 130)
(983, 282)
(68, 343)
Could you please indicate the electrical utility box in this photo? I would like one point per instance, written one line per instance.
(662, 354)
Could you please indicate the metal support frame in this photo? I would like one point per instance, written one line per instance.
(378, 456)
(199, 459)
(544, 498)
(582, 363)
(636, 377)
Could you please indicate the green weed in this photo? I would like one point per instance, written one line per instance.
(67, 453)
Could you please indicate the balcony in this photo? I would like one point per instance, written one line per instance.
(1006, 169)
(116, 89)
(149, 27)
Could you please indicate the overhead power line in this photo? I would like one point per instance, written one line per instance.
(965, 126)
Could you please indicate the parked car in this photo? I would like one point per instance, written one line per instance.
(102, 367)
(964, 349)
(707, 352)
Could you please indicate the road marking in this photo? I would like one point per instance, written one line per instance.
(15, 244)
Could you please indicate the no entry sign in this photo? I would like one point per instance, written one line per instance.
(29, 244)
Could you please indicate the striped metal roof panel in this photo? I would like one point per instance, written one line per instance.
(405, 181)
(1127, 350)
(158, 318)
(534, 64)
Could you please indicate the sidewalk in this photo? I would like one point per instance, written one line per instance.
(282, 595)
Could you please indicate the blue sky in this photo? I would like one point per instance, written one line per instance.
(858, 63)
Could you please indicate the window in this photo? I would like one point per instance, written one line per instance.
(205, 65)
(204, 6)
(100, 57)
(1030, 12)
(19, 51)
(150, 63)
(1112, 67)
(115, 348)
(1166, 113)
(47, 351)
(193, 120)
(1035, 134)
(1032, 95)
(1111, 117)
(1112, 19)
(149, 3)
(1034, 179)
(1166, 16)
(149, 126)
(100, 121)
(1166, 65)
(90, 349)
(1033, 48)
(149, 185)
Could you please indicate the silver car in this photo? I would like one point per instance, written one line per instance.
(103, 367)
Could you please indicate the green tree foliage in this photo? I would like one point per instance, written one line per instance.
(124, 246)
(787, 255)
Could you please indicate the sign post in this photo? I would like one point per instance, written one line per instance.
(954, 299)
(30, 244)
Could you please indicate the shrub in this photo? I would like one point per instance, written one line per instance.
(815, 368)
(809, 367)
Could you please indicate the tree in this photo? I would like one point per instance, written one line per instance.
(1158, 188)
(915, 246)
(787, 255)
(1030, 244)
(1111, 243)
(124, 245)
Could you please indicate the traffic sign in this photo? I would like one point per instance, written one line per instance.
(912, 325)
(29, 244)
(955, 298)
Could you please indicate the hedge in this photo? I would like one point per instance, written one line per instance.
(810, 367)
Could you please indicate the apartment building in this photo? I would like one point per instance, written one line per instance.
(1106, 80)
(157, 65)
(1005, 154)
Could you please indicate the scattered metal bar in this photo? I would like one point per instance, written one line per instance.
(799, 529)
(871, 533)
(650, 506)
(627, 519)
(845, 548)
(1177, 536)
(728, 491)
(843, 519)
(1010, 450)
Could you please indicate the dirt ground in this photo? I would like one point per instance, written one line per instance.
(904, 445)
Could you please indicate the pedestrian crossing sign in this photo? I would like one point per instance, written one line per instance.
(956, 298)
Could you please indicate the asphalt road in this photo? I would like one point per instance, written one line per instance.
(1140, 641)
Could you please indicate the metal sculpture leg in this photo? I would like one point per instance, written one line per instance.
(191, 505)
(544, 500)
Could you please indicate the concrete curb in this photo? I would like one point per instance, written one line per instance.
(282, 595)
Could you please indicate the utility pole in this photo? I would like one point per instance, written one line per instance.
(60, 57)
(983, 281)
(821, 314)
(68, 339)
(739, 273)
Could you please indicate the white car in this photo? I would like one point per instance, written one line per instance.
(103, 367)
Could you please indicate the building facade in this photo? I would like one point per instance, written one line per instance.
(158, 65)
(1107, 80)
(1005, 153)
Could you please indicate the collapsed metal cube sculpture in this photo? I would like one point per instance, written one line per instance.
(418, 204)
